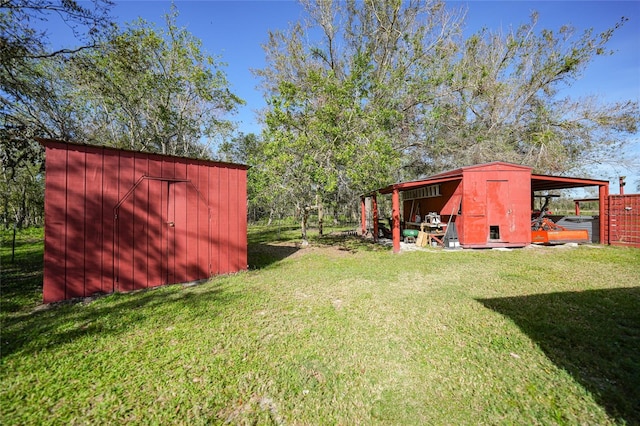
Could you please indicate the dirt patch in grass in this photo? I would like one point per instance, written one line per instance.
(325, 250)
(262, 255)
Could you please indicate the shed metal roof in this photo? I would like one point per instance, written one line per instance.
(538, 182)
(70, 145)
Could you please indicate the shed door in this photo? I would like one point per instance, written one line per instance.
(500, 218)
(162, 235)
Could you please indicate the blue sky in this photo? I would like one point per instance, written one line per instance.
(235, 30)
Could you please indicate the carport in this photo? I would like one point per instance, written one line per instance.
(489, 204)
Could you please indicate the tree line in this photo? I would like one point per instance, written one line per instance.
(359, 94)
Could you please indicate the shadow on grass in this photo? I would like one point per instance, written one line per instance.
(270, 244)
(21, 281)
(63, 323)
(593, 335)
(29, 328)
(261, 256)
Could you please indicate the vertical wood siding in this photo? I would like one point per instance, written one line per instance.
(120, 221)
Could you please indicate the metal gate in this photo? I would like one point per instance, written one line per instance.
(623, 212)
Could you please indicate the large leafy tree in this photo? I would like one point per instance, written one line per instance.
(20, 39)
(29, 105)
(504, 102)
(154, 90)
(262, 199)
(345, 91)
(27, 61)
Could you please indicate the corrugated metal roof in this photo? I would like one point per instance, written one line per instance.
(538, 182)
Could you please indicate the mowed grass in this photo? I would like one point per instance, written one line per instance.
(341, 332)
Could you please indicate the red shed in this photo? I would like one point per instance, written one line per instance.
(119, 220)
(490, 204)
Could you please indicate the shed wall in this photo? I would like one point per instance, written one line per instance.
(498, 198)
(443, 204)
(118, 220)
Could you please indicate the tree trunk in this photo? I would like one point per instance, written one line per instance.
(21, 212)
(303, 224)
(320, 215)
(5, 211)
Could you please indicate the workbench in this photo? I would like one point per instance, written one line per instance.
(433, 232)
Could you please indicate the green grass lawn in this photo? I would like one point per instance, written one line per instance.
(341, 332)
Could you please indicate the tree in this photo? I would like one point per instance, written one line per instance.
(154, 90)
(20, 40)
(261, 197)
(25, 53)
(342, 108)
(29, 105)
(503, 103)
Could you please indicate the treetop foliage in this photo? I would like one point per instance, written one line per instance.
(28, 103)
(154, 90)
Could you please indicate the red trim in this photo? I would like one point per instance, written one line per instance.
(395, 206)
(405, 186)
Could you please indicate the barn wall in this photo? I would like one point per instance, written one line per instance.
(443, 204)
(495, 196)
(119, 221)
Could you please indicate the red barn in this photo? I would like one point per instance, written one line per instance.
(119, 220)
(490, 204)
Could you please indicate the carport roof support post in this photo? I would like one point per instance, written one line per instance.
(374, 209)
(395, 206)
